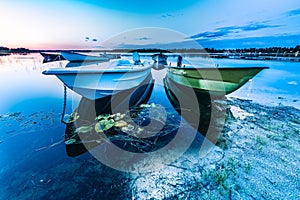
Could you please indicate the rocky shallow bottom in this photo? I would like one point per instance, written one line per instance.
(256, 157)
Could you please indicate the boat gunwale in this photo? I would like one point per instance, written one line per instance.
(87, 55)
(81, 54)
(217, 68)
(69, 71)
(83, 57)
(50, 53)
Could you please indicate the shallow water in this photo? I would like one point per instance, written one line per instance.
(34, 162)
(278, 85)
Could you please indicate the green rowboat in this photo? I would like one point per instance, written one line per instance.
(216, 81)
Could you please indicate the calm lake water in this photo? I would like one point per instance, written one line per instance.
(33, 158)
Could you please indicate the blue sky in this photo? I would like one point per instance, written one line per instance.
(76, 24)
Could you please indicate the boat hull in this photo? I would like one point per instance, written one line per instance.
(51, 56)
(77, 57)
(94, 83)
(216, 81)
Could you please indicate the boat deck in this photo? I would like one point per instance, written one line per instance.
(104, 67)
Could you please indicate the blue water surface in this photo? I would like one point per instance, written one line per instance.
(33, 159)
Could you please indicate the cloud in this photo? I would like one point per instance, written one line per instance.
(167, 15)
(98, 46)
(220, 32)
(257, 42)
(227, 30)
(257, 26)
(293, 12)
(214, 34)
(232, 43)
(144, 38)
(171, 15)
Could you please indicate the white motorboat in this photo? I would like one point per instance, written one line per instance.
(79, 57)
(51, 56)
(95, 81)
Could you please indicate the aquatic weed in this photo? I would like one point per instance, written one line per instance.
(260, 140)
(248, 167)
(285, 145)
(84, 129)
(104, 124)
(124, 129)
(70, 118)
(70, 141)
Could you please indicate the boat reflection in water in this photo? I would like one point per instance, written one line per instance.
(126, 132)
(93, 118)
(125, 120)
(205, 112)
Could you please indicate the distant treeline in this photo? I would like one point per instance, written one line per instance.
(14, 50)
(149, 50)
(273, 50)
(279, 50)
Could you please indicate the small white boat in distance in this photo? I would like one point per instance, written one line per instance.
(52, 56)
(79, 57)
(96, 81)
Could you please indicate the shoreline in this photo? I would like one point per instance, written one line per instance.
(257, 156)
(237, 56)
(261, 152)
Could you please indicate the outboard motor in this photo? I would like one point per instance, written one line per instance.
(179, 61)
(136, 58)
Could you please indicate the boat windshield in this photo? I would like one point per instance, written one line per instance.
(123, 63)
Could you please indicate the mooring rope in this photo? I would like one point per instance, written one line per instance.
(65, 104)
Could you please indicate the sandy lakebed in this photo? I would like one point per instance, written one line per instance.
(256, 157)
(260, 154)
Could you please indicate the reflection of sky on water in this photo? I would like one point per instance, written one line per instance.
(279, 84)
(21, 80)
(32, 138)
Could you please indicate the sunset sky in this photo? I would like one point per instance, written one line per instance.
(76, 24)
